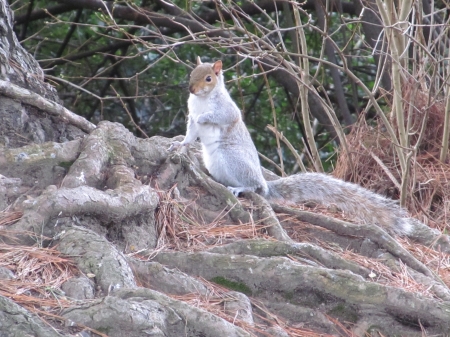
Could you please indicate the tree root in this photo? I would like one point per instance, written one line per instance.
(16, 321)
(39, 165)
(307, 253)
(10, 190)
(102, 161)
(105, 183)
(110, 206)
(97, 258)
(134, 311)
(383, 240)
(265, 216)
(334, 291)
(373, 233)
(180, 170)
(155, 276)
(138, 312)
(429, 237)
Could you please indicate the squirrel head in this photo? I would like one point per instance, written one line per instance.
(204, 77)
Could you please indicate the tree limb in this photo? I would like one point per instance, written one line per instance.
(52, 108)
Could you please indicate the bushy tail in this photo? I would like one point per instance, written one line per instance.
(365, 205)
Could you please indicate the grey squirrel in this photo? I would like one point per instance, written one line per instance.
(232, 160)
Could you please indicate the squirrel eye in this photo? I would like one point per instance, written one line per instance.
(208, 78)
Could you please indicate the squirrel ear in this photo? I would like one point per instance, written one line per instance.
(217, 67)
(199, 60)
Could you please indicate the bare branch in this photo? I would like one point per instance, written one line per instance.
(52, 108)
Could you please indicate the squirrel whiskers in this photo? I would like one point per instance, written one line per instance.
(231, 158)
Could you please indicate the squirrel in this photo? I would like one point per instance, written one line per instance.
(231, 158)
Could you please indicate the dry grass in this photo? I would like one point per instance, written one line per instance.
(437, 261)
(376, 166)
(181, 226)
(32, 275)
(8, 218)
(38, 274)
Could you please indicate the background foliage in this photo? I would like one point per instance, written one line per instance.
(311, 69)
(93, 56)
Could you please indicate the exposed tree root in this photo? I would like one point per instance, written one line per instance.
(373, 233)
(113, 185)
(267, 217)
(38, 166)
(97, 258)
(429, 237)
(16, 321)
(305, 252)
(155, 276)
(329, 290)
(110, 206)
(142, 311)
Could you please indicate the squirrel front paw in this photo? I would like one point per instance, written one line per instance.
(175, 146)
(202, 119)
